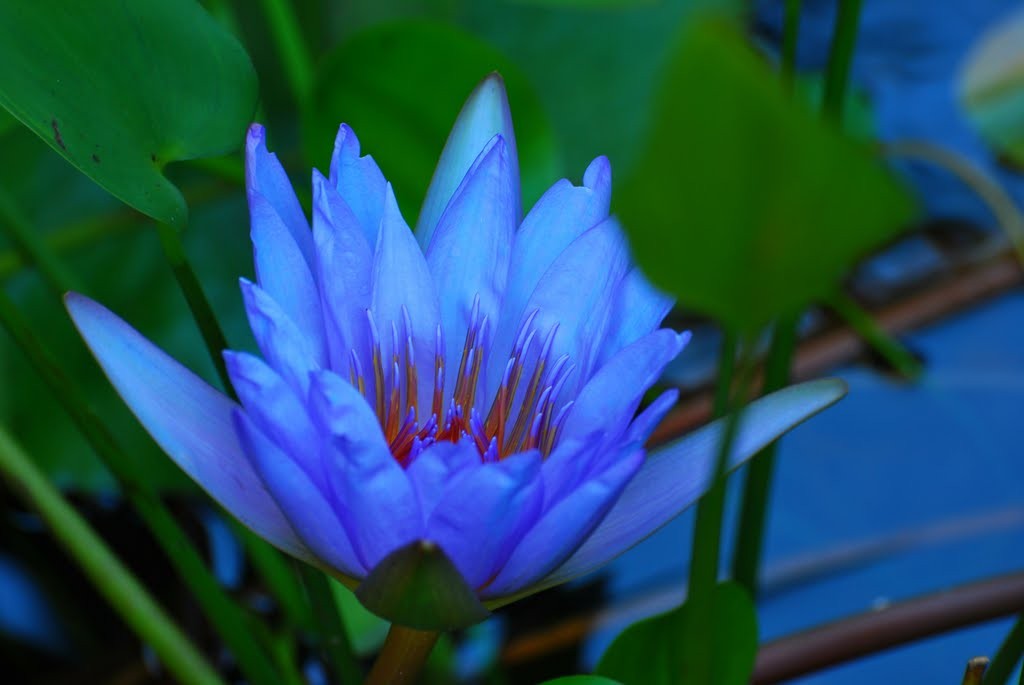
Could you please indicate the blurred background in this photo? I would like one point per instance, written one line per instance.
(914, 483)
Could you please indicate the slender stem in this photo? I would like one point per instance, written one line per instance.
(754, 504)
(836, 643)
(200, 307)
(333, 638)
(28, 241)
(403, 656)
(708, 527)
(837, 73)
(226, 616)
(298, 63)
(974, 674)
(1008, 655)
(790, 40)
(895, 354)
(115, 582)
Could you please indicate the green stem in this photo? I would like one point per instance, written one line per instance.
(28, 241)
(708, 527)
(837, 73)
(115, 582)
(790, 40)
(298, 63)
(200, 307)
(895, 354)
(403, 656)
(225, 616)
(754, 504)
(1001, 668)
(330, 629)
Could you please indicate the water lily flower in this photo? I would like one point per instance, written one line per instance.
(455, 403)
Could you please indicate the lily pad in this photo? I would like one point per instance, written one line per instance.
(120, 89)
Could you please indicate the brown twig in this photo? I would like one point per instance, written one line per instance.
(875, 631)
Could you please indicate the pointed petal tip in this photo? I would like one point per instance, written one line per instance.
(598, 173)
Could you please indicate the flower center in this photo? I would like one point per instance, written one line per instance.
(525, 413)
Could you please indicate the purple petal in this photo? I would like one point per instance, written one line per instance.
(359, 181)
(276, 409)
(484, 512)
(344, 262)
(676, 475)
(311, 515)
(576, 292)
(403, 292)
(375, 499)
(282, 271)
(645, 422)
(264, 176)
(606, 403)
(639, 309)
(188, 419)
(562, 529)
(280, 341)
(469, 254)
(484, 116)
(431, 471)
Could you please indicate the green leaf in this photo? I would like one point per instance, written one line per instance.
(581, 680)
(992, 87)
(120, 89)
(400, 85)
(366, 631)
(418, 587)
(653, 651)
(743, 204)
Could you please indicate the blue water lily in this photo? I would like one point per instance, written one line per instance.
(472, 384)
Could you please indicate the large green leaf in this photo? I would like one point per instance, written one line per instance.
(400, 86)
(120, 89)
(992, 87)
(743, 203)
(653, 651)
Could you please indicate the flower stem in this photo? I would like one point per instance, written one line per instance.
(1006, 658)
(895, 354)
(200, 307)
(747, 552)
(115, 582)
(334, 641)
(402, 658)
(837, 73)
(298, 63)
(790, 40)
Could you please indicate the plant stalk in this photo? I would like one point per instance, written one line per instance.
(402, 657)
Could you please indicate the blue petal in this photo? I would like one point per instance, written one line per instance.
(431, 471)
(605, 402)
(344, 262)
(485, 115)
(188, 419)
(375, 499)
(276, 408)
(561, 215)
(359, 181)
(645, 422)
(562, 529)
(284, 273)
(403, 292)
(639, 309)
(576, 293)
(484, 512)
(264, 176)
(469, 254)
(676, 475)
(306, 506)
(280, 341)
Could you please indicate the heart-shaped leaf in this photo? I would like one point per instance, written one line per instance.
(653, 650)
(122, 88)
(743, 203)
